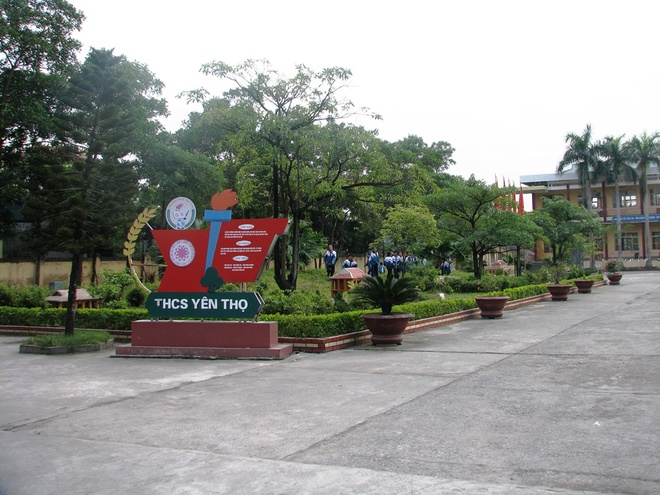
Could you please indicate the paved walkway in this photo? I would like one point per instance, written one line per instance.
(554, 398)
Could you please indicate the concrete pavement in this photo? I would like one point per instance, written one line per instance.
(554, 398)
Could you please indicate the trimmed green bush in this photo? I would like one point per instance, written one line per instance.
(296, 302)
(317, 326)
(105, 319)
(70, 341)
(310, 326)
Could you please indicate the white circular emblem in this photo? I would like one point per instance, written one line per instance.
(182, 253)
(180, 213)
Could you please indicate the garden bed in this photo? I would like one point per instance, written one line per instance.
(65, 349)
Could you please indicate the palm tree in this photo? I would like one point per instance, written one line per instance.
(615, 166)
(582, 154)
(646, 152)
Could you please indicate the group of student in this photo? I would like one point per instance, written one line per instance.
(394, 263)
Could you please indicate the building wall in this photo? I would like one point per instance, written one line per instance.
(632, 231)
(27, 272)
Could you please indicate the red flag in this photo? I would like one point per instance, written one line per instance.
(521, 202)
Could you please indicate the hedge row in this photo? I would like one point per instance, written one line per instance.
(288, 325)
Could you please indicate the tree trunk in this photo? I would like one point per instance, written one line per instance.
(279, 253)
(295, 254)
(592, 257)
(476, 261)
(618, 219)
(37, 269)
(70, 319)
(94, 275)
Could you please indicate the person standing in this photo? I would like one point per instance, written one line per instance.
(330, 259)
(373, 260)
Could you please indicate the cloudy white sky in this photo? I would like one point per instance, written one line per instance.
(502, 81)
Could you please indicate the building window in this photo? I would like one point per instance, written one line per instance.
(655, 236)
(655, 197)
(628, 199)
(629, 241)
(595, 201)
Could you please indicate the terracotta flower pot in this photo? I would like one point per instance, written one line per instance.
(491, 306)
(559, 292)
(386, 329)
(614, 278)
(584, 286)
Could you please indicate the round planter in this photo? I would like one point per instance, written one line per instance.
(386, 329)
(491, 306)
(614, 278)
(584, 286)
(559, 292)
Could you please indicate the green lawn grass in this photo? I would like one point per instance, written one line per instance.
(79, 337)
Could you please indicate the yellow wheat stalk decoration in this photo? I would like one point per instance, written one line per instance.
(133, 233)
(139, 223)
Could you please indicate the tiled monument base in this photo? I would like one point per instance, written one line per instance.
(204, 339)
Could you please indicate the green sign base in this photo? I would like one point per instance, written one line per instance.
(218, 305)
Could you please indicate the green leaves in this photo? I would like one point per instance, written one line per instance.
(565, 226)
(384, 293)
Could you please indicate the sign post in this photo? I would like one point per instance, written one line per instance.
(187, 305)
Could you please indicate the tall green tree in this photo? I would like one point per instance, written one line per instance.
(108, 110)
(645, 151)
(581, 153)
(565, 227)
(466, 214)
(614, 167)
(434, 158)
(166, 171)
(37, 52)
(409, 228)
(290, 125)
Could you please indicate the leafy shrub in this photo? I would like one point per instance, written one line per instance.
(261, 287)
(135, 297)
(29, 296)
(426, 278)
(5, 294)
(120, 304)
(113, 286)
(450, 284)
(229, 287)
(575, 271)
(341, 306)
(296, 302)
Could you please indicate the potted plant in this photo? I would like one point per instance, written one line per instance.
(557, 290)
(612, 268)
(491, 306)
(384, 293)
(584, 284)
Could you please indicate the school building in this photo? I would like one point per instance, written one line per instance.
(604, 202)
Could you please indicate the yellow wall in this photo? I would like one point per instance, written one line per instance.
(25, 272)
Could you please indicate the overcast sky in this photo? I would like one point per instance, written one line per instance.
(502, 81)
